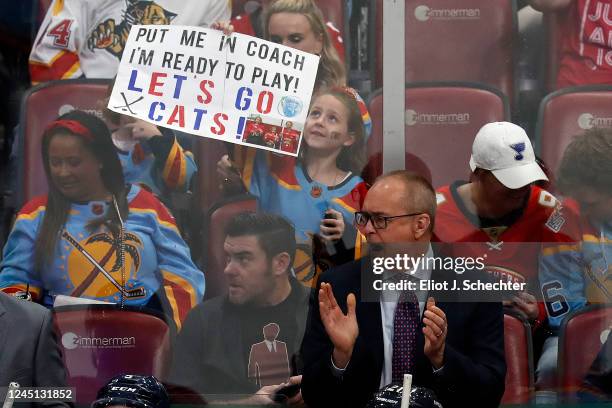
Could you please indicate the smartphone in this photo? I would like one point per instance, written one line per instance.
(283, 394)
(329, 216)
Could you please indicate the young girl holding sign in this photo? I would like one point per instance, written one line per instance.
(321, 190)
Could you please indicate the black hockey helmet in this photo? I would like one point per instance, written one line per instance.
(134, 391)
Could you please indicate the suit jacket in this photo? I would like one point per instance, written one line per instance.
(29, 354)
(208, 353)
(269, 367)
(474, 361)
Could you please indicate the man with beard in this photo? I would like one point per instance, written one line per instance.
(220, 348)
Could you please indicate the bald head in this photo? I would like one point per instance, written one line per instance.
(414, 191)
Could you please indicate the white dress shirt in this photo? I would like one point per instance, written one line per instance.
(388, 303)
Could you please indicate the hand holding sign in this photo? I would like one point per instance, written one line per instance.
(203, 82)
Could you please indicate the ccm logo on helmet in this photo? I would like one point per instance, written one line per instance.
(128, 389)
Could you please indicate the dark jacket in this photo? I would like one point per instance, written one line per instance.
(474, 363)
(29, 354)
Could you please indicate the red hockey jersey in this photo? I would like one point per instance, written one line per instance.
(511, 252)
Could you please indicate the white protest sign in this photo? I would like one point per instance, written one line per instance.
(238, 89)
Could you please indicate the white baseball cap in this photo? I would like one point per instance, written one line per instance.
(505, 150)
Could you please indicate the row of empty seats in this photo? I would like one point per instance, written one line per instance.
(101, 341)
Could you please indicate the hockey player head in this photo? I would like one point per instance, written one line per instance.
(135, 391)
(585, 173)
(504, 167)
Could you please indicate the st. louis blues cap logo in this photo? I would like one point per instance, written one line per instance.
(519, 148)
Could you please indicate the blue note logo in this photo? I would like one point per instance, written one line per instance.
(519, 148)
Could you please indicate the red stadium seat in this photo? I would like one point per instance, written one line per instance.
(374, 167)
(101, 341)
(568, 113)
(41, 105)
(582, 336)
(519, 361)
(220, 214)
(442, 120)
(207, 152)
(471, 40)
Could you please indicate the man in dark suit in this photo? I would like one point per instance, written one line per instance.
(348, 346)
(29, 354)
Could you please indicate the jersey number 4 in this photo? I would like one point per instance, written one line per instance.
(61, 33)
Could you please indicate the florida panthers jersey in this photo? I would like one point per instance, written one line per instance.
(511, 252)
(283, 187)
(87, 37)
(155, 256)
(573, 275)
(172, 173)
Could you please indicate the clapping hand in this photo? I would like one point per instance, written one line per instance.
(341, 328)
(435, 331)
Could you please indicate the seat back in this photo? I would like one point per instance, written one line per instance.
(442, 120)
(519, 361)
(99, 342)
(374, 167)
(220, 214)
(471, 40)
(567, 113)
(41, 105)
(207, 152)
(582, 335)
